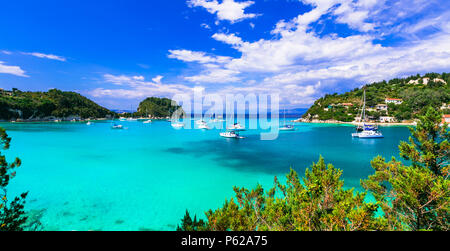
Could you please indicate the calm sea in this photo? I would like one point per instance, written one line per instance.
(144, 178)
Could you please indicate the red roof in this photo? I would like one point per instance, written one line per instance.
(446, 115)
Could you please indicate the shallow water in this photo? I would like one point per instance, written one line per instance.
(144, 178)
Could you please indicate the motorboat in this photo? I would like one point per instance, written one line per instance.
(231, 134)
(237, 127)
(178, 125)
(117, 127)
(287, 128)
(203, 126)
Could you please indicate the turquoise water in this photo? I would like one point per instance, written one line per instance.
(144, 178)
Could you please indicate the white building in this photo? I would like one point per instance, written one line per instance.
(394, 101)
(385, 119)
(382, 107)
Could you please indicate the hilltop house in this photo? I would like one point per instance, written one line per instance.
(425, 81)
(382, 107)
(4, 92)
(395, 101)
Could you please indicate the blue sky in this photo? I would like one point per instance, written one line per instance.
(119, 52)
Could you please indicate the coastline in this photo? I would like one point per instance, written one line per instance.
(335, 122)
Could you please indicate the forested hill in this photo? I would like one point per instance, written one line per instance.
(16, 104)
(402, 99)
(157, 107)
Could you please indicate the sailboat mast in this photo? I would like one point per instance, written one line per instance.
(364, 106)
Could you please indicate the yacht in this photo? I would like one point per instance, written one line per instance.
(285, 126)
(366, 131)
(116, 126)
(203, 126)
(237, 127)
(178, 125)
(147, 122)
(231, 134)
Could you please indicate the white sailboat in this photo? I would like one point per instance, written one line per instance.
(285, 126)
(364, 131)
(236, 127)
(177, 125)
(203, 126)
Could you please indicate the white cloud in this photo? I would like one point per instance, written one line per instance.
(6, 52)
(13, 70)
(229, 10)
(215, 76)
(136, 87)
(157, 79)
(196, 56)
(206, 26)
(299, 55)
(47, 56)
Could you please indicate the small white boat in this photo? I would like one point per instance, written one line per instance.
(89, 123)
(132, 119)
(204, 126)
(177, 125)
(287, 128)
(147, 122)
(117, 127)
(231, 134)
(236, 127)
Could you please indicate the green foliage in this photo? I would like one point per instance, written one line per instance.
(12, 214)
(318, 203)
(29, 105)
(187, 224)
(429, 144)
(410, 198)
(157, 107)
(416, 197)
(415, 98)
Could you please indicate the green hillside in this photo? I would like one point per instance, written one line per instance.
(416, 93)
(156, 107)
(16, 104)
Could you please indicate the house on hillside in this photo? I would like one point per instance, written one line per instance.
(446, 119)
(382, 107)
(445, 106)
(395, 101)
(5, 92)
